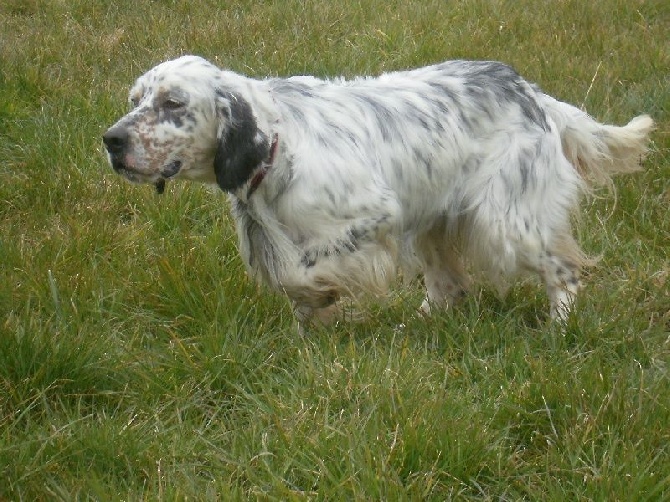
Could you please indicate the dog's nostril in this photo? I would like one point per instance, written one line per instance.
(115, 139)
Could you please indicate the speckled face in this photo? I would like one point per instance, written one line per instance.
(172, 127)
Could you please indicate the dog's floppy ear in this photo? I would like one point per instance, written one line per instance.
(241, 145)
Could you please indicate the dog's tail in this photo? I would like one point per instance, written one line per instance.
(599, 151)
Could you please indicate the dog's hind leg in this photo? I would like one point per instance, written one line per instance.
(561, 267)
(445, 278)
(559, 263)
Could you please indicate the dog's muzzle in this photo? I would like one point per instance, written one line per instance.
(116, 143)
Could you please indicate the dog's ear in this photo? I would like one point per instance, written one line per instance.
(241, 145)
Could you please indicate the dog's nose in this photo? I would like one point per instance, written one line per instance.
(115, 139)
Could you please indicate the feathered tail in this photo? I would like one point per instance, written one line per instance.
(599, 151)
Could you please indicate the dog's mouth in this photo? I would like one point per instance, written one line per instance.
(171, 169)
(168, 171)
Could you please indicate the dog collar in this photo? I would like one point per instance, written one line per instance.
(264, 168)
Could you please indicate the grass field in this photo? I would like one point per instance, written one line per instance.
(137, 361)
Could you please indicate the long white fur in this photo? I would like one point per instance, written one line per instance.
(456, 166)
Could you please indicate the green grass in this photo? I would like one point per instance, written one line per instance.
(137, 361)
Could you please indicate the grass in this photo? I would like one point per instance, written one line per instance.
(138, 362)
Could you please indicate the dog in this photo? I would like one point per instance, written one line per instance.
(338, 184)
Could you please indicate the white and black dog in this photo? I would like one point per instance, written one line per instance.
(335, 184)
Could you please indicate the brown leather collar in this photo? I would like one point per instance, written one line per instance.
(264, 168)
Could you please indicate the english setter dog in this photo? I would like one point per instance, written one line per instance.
(336, 184)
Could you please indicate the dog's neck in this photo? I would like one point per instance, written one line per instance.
(263, 169)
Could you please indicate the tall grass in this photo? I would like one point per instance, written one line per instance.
(138, 362)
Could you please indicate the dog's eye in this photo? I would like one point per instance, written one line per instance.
(172, 104)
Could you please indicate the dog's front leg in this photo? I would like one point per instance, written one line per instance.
(313, 301)
(313, 316)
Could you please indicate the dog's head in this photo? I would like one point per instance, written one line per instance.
(187, 121)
